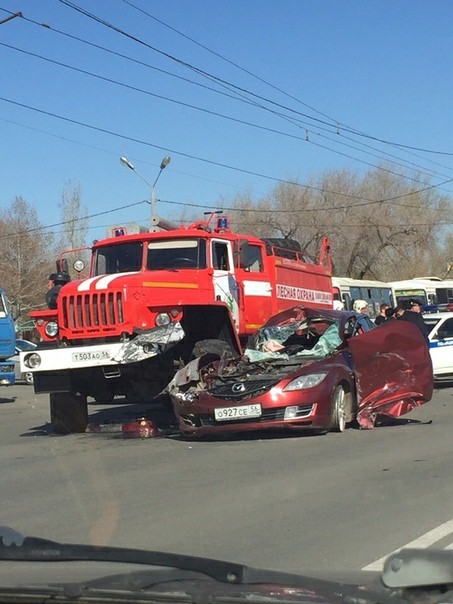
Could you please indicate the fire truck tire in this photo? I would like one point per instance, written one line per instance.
(68, 412)
(210, 347)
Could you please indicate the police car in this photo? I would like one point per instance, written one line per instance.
(440, 326)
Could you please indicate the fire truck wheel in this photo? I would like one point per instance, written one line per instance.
(68, 412)
(210, 347)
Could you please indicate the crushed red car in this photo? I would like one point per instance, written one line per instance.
(310, 369)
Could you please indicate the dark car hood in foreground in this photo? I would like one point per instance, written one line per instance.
(181, 578)
(408, 576)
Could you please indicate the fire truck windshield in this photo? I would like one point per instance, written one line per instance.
(119, 258)
(176, 254)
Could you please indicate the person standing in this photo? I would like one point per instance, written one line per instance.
(361, 306)
(411, 312)
(382, 316)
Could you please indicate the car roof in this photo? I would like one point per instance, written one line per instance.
(438, 315)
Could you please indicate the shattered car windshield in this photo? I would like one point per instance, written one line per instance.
(176, 254)
(296, 334)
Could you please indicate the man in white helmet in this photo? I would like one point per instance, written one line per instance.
(361, 306)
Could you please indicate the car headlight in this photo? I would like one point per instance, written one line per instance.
(163, 319)
(32, 360)
(305, 381)
(51, 329)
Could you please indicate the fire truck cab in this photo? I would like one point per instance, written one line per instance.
(153, 301)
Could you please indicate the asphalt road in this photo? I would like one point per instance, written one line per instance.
(294, 503)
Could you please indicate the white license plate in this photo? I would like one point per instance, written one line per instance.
(225, 414)
(90, 355)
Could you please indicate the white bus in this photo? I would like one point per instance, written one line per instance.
(430, 291)
(421, 289)
(374, 292)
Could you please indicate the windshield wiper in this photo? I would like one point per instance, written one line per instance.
(206, 572)
(14, 546)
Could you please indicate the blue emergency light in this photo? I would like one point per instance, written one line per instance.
(222, 222)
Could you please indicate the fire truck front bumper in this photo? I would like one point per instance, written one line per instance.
(73, 357)
(144, 346)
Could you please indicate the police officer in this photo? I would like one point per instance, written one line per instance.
(411, 312)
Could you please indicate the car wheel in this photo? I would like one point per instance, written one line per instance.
(338, 413)
(29, 377)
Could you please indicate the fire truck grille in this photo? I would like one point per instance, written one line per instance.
(100, 310)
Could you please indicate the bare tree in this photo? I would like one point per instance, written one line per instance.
(380, 225)
(25, 258)
(75, 223)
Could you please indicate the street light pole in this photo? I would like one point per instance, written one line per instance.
(163, 164)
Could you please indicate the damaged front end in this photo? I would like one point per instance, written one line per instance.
(218, 376)
(306, 369)
(150, 343)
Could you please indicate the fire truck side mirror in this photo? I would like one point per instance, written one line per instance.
(62, 265)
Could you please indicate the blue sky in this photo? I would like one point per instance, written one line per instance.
(381, 68)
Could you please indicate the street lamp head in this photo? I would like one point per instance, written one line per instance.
(127, 163)
(165, 162)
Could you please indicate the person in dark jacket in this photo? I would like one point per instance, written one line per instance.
(411, 312)
(382, 316)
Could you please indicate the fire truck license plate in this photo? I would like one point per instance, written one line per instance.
(243, 412)
(90, 355)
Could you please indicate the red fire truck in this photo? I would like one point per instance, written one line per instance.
(153, 300)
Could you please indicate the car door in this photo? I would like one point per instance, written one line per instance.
(441, 347)
(393, 371)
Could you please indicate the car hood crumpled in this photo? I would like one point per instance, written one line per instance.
(396, 350)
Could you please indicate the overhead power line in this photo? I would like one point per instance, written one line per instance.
(337, 126)
(214, 113)
(212, 162)
(57, 224)
(241, 98)
(217, 114)
(204, 73)
(174, 151)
